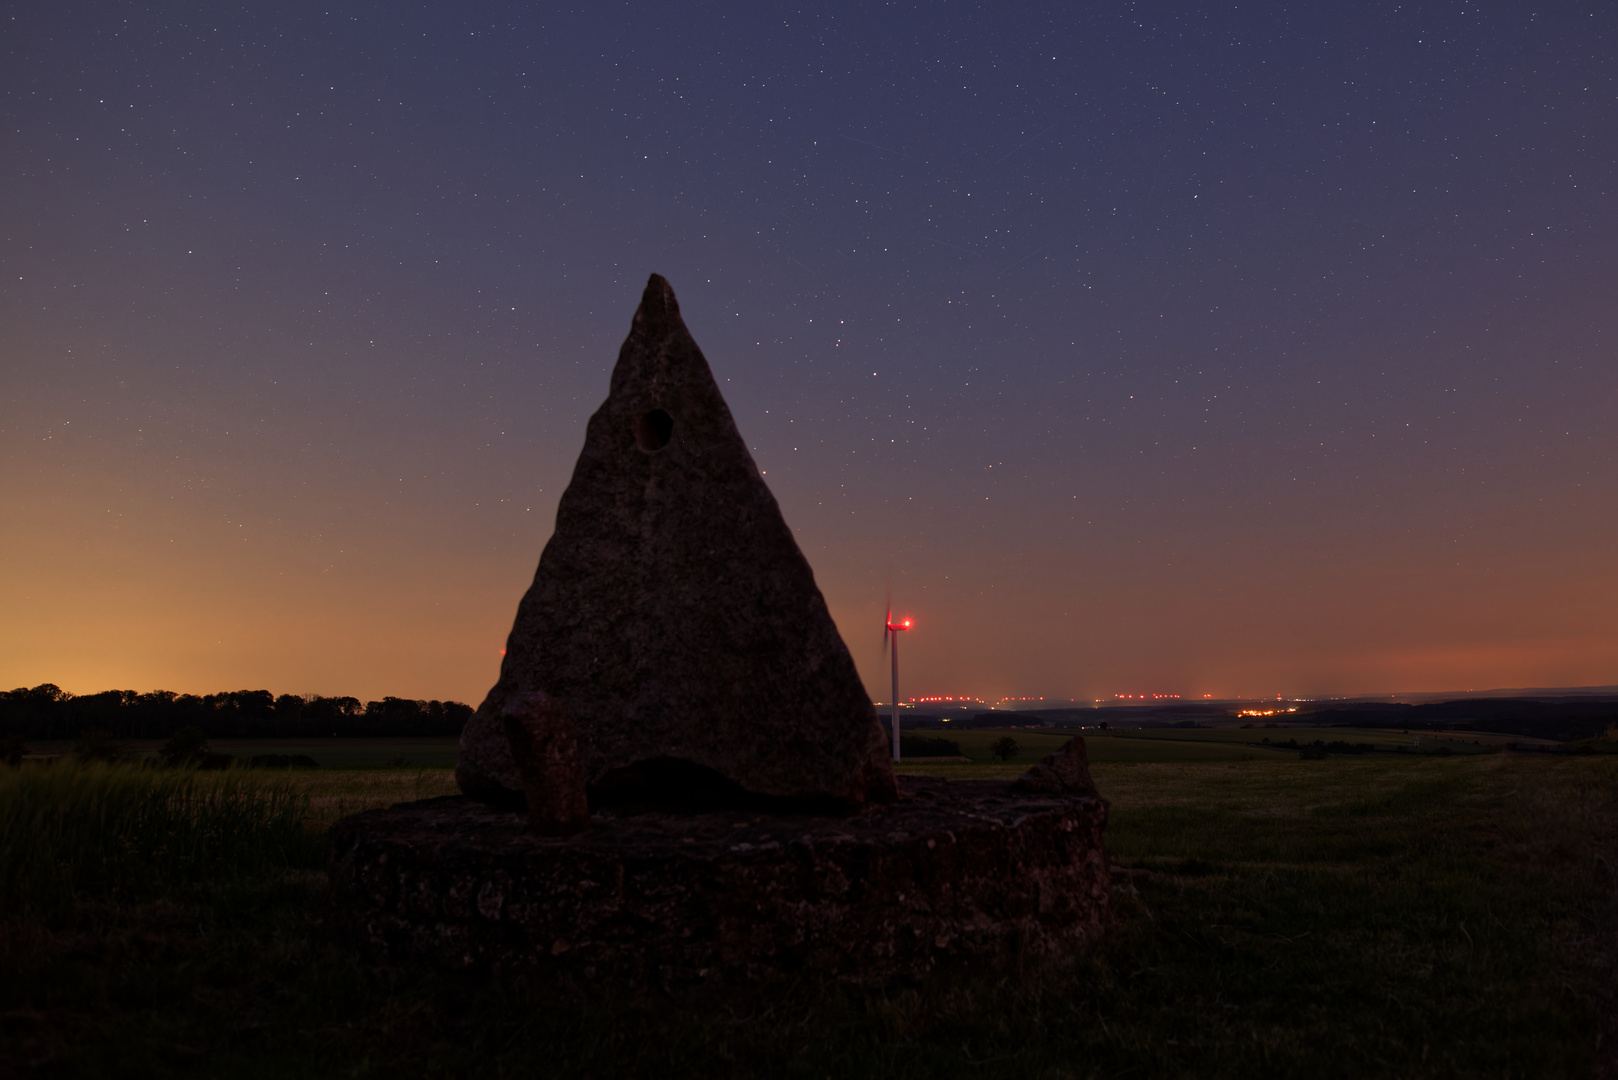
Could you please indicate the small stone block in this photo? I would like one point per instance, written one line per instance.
(1067, 770)
(547, 751)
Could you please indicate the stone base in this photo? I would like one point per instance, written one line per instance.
(973, 871)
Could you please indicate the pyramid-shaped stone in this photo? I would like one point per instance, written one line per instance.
(673, 614)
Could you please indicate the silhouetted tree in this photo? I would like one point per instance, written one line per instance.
(1005, 748)
(48, 712)
(334, 715)
(98, 745)
(36, 711)
(188, 746)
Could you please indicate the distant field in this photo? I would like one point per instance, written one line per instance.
(404, 753)
(1033, 745)
(353, 753)
(1218, 744)
(1382, 738)
(339, 793)
(1124, 745)
(1190, 745)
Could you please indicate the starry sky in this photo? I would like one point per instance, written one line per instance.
(1198, 348)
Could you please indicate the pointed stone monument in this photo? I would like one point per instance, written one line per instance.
(674, 618)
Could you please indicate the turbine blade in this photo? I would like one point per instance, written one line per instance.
(887, 618)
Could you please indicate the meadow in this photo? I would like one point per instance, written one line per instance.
(1228, 743)
(1375, 915)
(347, 753)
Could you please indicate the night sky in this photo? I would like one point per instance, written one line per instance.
(1143, 347)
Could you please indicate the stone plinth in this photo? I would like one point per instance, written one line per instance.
(973, 871)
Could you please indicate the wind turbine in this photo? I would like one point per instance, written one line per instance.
(890, 629)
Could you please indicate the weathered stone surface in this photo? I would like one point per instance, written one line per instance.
(1066, 771)
(972, 871)
(546, 747)
(673, 614)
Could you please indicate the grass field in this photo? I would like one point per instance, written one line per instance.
(1220, 744)
(386, 753)
(1381, 738)
(336, 794)
(1034, 745)
(1390, 915)
(1205, 744)
(1132, 745)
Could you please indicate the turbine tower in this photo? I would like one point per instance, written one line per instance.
(890, 629)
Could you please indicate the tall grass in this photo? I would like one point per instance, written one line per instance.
(71, 831)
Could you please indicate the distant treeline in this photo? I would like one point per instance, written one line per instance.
(48, 712)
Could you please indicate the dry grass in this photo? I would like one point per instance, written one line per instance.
(335, 794)
(70, 831)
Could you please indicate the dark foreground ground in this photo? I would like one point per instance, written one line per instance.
(1348, 917)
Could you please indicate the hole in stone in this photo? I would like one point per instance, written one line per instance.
(652, 431)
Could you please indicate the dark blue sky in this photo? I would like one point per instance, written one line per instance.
(1253, 348)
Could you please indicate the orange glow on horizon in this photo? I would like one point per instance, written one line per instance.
(323, 453)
